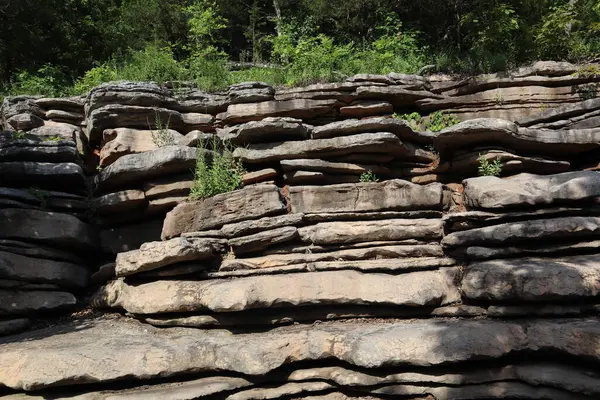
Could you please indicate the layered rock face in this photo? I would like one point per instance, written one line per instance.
(425, 283)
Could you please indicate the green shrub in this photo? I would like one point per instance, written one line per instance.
(47, 81)
(439, 120)
(222, 175)
(368, 176)
(154, 63)
(18, 135)
(106, 72)
(487, 168)
(209, 71)
(415, 120)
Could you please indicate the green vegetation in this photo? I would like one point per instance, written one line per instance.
(53, 139)
(368, 176)
(57, 47)
(436, 121)
(41, 195)
(487, 168)
(222, 174)
(161, 137)
(18, 135)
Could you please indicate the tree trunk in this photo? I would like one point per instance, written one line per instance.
(277, 17)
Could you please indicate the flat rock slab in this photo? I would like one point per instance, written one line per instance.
(32, 302)
(515, 232)
(122, 201)
(369, 253)
(364, 197)
(38, 270)
(51, 228)
(102, 350)
(490, 192)
(423, 288)
(249, 203)
(270, 129)
(12, 326)
(330, 167)
(136, 168)
(154, 255)
(261, 240)
(67, 177)
(366, 109)
(533, 279)
(178, 185)
(249, 227)
(36, 250)
(59, 152)
(326, 233)
(304, 109)
(563, 144)
(122, 141)
(384, 142)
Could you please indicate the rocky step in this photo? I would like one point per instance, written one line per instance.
(97, 351)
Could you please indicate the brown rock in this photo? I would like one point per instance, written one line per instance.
(304, 109)
(363, 109)
(122, 141)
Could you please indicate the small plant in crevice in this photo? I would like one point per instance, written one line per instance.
(161, 137)
(18, 135)
(368, 176)
(543, 107)
(439, 120)
(222, 174)
(499, 98)
(53, 139)
(415, 120)
(489, 168)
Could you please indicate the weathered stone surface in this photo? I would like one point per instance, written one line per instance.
(262, 240)
(34, 302)
(540, 310)
(127, 93)
(530, 190)
(533, 279)
(11, 326)
(74, 103)
(200, 139)
(197, 121)
(263, 175)
(63, 176)
(145, 166)
(515, 232)
(130, 350)
(122, 141)
(317, 178)
(379, 252)
(194, 100)
(55, 152)
(300, 108)
(249, 227)
(321, 148)
(61, 230)
(130, 236)
(154, 255)
(562, 144)
(38, 270)
(120, 201)
(365, 216)
(284, 391)
(396, 95)
(363, 109)
(330, 167)
(36, 250)
(25, 122)
(104, 274)
(370, 231)
(20, 285)
(250, 94)
(178, 185)
(271, 129)
(468, 164)
(364, 197)
(534, 249)
(245, 204)
(561, 113)
(425, 288)
(65, 116)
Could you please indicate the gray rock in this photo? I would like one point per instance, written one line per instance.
(517, 232)
(63, 176)
(533, 279)
(364, 216)
(34, 302)
(387, 143)
(12, 326)
(50, 228)
(260, 241)
(125, 348)
(365, 197)
(130, 236)
(535, 249)
(249, 227)
(424, 288)
(20, 285)
(119, 201)
(144, 166)
(355, 126)
(396, 95)
(146, 94)
(263, 175)
(194, 100)
(14, 105)
(122, 141)
(60, 152)
(330, 167)
(284, 391)
(65, 116)
(540, 310)
(304, 109)
(39, 251)
(561, 113)
(74, 103)
(561, 144)
(369, 231)
(38, 270)
(362, 109)
(249, 203)
(25, 122)
(239, 95)
(530, 190)
(201, 139)
(154, 255)
(317, 178)
(270, 129)
(104, 274)
(378, 252)
(371, 78)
